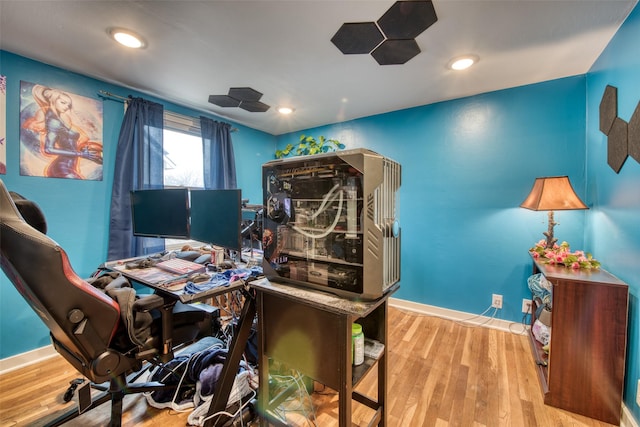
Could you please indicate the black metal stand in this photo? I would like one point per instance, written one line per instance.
(215, 417)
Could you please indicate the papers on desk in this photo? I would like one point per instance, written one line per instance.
(149, 275)
(181, 266)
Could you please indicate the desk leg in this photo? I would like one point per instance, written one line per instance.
(346, 389)
(382, 364)
(166, 315)
(263, 365)
(231, 364)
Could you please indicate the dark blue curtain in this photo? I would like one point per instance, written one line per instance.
(219, 161)
(139, 165)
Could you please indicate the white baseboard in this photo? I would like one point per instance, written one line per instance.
(459, 316)
(24, 359)
(627, 419)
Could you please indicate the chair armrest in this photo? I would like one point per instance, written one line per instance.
(148, 303)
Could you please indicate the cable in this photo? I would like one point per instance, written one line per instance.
(462, 321)
(328, 230)
(523, 323)
(475, 325)
(325, 199)
(228, 414)
(309, 399)
(302, 394)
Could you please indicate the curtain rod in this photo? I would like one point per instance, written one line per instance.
(105, 94)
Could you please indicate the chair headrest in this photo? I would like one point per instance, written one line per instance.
(30, 211)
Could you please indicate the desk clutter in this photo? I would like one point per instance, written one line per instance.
(191, 271)
(221, 361)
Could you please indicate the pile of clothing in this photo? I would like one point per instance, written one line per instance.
(196, 377)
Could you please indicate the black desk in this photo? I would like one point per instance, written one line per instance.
(311, 331)
(153, 277)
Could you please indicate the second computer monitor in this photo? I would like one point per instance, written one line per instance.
(216, 217)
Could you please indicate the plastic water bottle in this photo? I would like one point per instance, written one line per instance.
(357, 344)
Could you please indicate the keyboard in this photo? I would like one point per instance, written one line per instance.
(181, 266)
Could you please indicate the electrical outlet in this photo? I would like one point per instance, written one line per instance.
(526, 306)
(638, 394)
(496, 301)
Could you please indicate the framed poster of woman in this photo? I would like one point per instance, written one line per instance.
(60, 133)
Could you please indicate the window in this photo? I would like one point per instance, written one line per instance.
(183, 163)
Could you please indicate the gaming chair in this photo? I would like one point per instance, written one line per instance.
(86, 326)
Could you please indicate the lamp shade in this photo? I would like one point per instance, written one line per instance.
(553, 193)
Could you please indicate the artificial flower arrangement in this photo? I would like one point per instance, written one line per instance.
(562, 255)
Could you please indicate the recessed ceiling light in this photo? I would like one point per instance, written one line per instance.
(462, 62)
(285, 110)
(127, 38)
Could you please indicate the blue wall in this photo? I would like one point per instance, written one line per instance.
(78, 211)
(467, 165)
(613, 225)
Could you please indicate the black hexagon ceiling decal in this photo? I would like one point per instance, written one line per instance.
(390, 40)
(245, 94)
(243, 97)
(357, 37)
(254, 106)
(407, 19)
(395, 51)
(224, 101)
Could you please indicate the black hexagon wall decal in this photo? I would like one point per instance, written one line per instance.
(608, 108)
(407, 19)
(357, 37)
(633, 139)
(617, 151)
(393, 52)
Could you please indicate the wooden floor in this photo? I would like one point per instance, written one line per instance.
(441, 373)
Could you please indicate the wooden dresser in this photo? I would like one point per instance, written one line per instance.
(584, 371)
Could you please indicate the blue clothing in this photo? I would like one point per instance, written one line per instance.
(223, 279)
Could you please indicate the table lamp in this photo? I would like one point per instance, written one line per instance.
(552, 193)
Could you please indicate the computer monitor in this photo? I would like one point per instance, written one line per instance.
(162, 213)
(216, 216)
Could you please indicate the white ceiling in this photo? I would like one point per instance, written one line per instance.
(283, 49)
